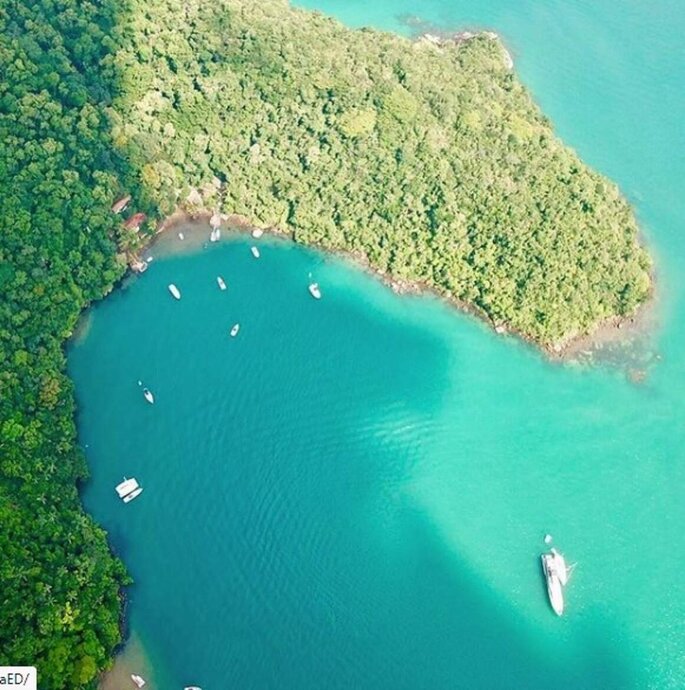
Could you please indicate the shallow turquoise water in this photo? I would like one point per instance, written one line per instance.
(353, 493)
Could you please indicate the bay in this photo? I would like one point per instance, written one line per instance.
(353, 492)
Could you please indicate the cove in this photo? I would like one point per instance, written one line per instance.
(353, 493)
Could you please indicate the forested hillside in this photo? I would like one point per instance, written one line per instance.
(432, 161)
(59, 585)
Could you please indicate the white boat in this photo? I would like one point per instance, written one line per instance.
(138, 680)
(128, 490)
(234, 330)
(215, 235)
(150, 259)
(126, 487)
(314, 290)
(257, 233)
(147, 394)
(221, 283)
(192, 687)
(134, 494)
(174, 291)
(181, 236)
(556, 575)
(255, 252)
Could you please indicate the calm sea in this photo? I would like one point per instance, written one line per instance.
(353, 493)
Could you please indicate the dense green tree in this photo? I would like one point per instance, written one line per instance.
(430, 160)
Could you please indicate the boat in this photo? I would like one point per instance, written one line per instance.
(255, 252)
(138, 680)
(126, 487)
(134, 494)
(181, 236)
(257, 233)
(314, 290)
(149, 259)
(148, 396)
(128, 490)
(215, 235)
(221, 283)
(192, 687)
(234, 330)
(174, 291)
(556, 575)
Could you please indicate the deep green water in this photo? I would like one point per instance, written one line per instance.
(353, 493)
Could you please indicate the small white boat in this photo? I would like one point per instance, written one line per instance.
(215, 235)
(314, 290)
(134, 494)
(128, 490)
(221, 283)
(556, 575)
(234, 330)
(174, 291)
(138, 680)
(147, 394)
(255, 252)
(181, 236)
(150, 259)
(192, 687)
(257, 233)
(126, 487)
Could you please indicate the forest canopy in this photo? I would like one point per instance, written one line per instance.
(431, 161)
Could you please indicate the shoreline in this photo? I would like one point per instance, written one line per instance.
(615, 330)
(130, 657)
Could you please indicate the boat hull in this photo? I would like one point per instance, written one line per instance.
(555, 591)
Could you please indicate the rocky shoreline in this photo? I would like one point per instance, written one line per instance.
(424, 32)
(614, 331)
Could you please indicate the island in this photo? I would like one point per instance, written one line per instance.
(425, 160)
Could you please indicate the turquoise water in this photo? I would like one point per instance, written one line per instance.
(353, 493)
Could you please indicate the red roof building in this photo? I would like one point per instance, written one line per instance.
(134, 222)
